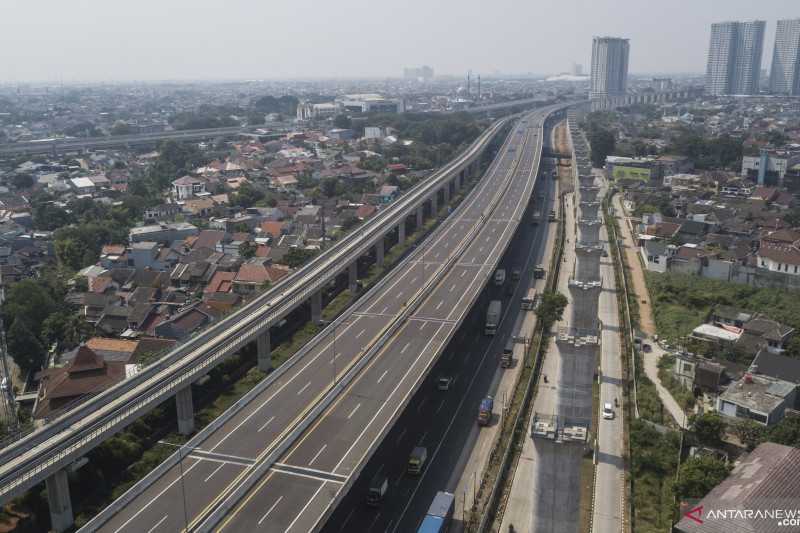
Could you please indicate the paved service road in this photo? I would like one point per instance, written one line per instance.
(610, 477)
(309, 479)
(226, 455)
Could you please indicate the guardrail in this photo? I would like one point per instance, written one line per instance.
(505, 470)
(203, 350)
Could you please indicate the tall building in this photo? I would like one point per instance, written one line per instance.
(609, 66)
(734, 57)
(784, 77)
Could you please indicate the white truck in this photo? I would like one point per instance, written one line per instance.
(529, 300)
(493, 314)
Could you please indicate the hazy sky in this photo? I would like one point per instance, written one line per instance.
(75, 40)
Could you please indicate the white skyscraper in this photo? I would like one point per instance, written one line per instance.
(734, 57)
(609, 66)
(784, 77)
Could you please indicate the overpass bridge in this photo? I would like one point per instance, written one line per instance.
(256, 467)
(48, 452)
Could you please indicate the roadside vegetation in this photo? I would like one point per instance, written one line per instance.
(682, 302)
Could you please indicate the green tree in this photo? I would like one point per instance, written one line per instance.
(551, 308)
(247, 250)
(602, 143)
(29, 301)
(709, 428)
(246, 195)
(342, 121)
(750, 433)
(698, 475)
(24, 347)
(22, 181)
(786, 432)
(65, 328)
(297, 257)
(121, 127)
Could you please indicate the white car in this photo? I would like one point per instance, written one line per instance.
(443, 383)
(608, 411)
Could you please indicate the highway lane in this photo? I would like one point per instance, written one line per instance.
(448, 429)
(228, 452)
(342, 439)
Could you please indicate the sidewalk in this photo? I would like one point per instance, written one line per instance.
(646, 321)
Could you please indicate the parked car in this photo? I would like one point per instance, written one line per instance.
(608, 411)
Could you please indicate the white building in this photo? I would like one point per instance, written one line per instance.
(609, 66)
(188, 187)
(734, 57)
(785, 74)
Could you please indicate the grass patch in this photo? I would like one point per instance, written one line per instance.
(681, 302)
(654, 463)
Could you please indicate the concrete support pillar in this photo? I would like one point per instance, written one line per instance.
(264, 351)
(401, 232)
(352, 278)
(316, 307)
(435, 204)
(447, 193)
(420, 217)
(379, 252)
(459, 179)
(59, 502)
(183, 400)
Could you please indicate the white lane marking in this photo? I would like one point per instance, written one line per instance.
(358, 335)
(353, 411)
(441, 303)
(383, 376)
(421, 404)
(441, 404)
(384, 310)
(274, 505)
(480, 250)
(301, 391)
(422, 438)
(453, 287)
(400, 437)
(214, 472)
(463, 273)
(157, 524)
(157, 496)
(405, 348)
(316, 456)
(422, 325)
(266, 424)
(399, 295)
(346, 520)
(303, 510)
(414, 280)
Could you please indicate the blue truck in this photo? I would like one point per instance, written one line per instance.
(440, 513)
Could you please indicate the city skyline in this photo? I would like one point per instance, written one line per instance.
(214, 42)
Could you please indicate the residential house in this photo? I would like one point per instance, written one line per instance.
(87, 374)
(255, 274)
(757, 397)
(187, 187)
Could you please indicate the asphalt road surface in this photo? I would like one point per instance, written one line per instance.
(311, 476)
(195, 485)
